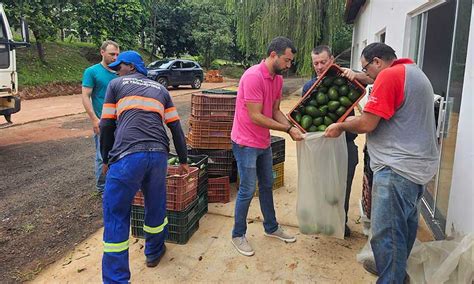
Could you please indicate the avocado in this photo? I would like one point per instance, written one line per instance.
(333, 105)
(312, 128)
(341, 110)
(333, 116)
(343, 90)
(301, 110)
(313, 111)
(318, 121)
(297, 116)
(313, 102)
(322, 127)
(327, 82)
(333, 94)
(353, 95)
(328, 121)
(306, 121)
(322, 98)
(345, 101)
(339, 81)
(172, 160)
(323, 89)
(324, 110)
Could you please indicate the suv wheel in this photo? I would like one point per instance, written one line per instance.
(163, 81)
(196, 83)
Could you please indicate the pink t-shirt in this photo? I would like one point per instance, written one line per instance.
(256, 86)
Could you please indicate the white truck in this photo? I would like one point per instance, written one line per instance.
(9, 100)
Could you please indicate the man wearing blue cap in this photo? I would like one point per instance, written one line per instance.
(135, 146)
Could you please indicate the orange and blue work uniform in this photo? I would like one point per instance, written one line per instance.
(135, 145)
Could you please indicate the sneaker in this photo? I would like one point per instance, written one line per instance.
(243, 246)
(369, 266)
(282, 235)
(155, 262)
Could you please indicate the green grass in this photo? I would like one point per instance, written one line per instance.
(65, 62)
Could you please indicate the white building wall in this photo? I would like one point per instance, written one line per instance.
(460, 217)
(393, 17)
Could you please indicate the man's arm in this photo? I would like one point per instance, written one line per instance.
(365, 123)
(359, 76)
(86, 102)
(278, 115)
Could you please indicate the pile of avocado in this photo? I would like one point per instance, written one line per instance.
(174, 161)
(326, 104)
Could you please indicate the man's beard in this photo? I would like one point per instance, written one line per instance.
(278, 70)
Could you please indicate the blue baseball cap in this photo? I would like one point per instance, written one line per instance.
(130, 57)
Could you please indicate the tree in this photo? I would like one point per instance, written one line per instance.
(307, 22)
(170, 27)
(116, 20)
(40, 16)
(211, 30)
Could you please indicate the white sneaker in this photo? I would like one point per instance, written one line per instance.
(243, 246)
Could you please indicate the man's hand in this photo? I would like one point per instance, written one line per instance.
(105, 168)
(95, 126)
(348, 73)
(334, 130)
(183, 169)
(295, 134)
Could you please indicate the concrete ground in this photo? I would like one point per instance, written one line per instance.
(210, 257)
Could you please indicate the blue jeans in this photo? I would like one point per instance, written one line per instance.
(145, 170)
(253, 163)
(395, 203)
(99, 177)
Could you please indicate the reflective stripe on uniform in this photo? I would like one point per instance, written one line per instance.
(109, 111)
(115, 247)
(155, 230)
(137, 102)
(171, 114)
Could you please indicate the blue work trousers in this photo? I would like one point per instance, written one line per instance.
(145, 171)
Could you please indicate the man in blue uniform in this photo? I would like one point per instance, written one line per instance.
(135, 147)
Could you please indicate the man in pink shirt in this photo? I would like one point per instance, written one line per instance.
(257, 111)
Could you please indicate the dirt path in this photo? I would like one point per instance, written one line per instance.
(47, 200)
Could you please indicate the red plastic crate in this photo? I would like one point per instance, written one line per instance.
(218, 190)
(213, 107)
(139, 199)
(181, 190)
(206, 142)
(333, 70)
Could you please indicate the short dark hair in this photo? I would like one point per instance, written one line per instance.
(380, 50)
(279, 45)
(322, 48)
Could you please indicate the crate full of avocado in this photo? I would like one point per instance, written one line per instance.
(330, 99)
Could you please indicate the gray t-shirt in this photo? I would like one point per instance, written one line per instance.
(405, 138)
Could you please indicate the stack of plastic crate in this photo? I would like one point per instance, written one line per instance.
(181, 206)
(278, 157)
(210, 125)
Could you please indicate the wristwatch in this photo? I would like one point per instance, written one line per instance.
(289, 128)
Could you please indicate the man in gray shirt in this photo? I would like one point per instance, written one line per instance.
(401, 140)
